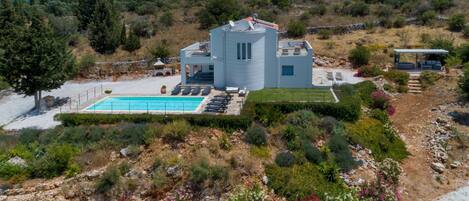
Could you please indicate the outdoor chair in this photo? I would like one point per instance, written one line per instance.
(176, 90)
(330, 76)
(195, 91)
(186, 91)
(338, 76)
(206, 91)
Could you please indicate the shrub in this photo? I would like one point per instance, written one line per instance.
(303, 119)
(380, 138)
(201, 172)
(340, 150)
(132, 42)
(358, 9)
(251, 193)
(142, 27)
(330, 171)
(160, 50)
(379, 115)
(300, 181)
(110, 178)
(86, 62)
(464, 83)
(312, 153)
(13, 172)
(56, 160)
(176, 130)
(133, 134)
(167, 19)
(427, 17)
(389, 88)
(463, 52)
(441, 5)
(256, 136)
(457, 22)
(380, 99)
(328, 123)
(320, 9)
(398, 77)
(64, 26)
(369, 71)
(428, 78)
(399, 22)
(384, 11)
(260, 152)
(325, 34)
(465, 32)
(390, 170)
(285, 159)
(296, 29)
(360, 56)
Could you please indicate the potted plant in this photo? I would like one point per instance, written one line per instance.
(108, 91)
(163, 89)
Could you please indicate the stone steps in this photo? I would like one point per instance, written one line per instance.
(414, 85)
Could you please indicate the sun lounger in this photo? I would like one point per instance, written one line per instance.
(338, 76)
(176, 90)
(186, 91)
(206, 91)
(196, 91)
(232, 89)
(330, 76)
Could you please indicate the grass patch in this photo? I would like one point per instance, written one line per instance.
(300, 181)
(260, 151)
(3, 84)
(291, 95)
(382, 140)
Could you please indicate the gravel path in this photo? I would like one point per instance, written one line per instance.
(14, 107)
(461, 194)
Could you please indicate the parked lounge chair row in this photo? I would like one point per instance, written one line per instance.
(194, 91)
(218, 104)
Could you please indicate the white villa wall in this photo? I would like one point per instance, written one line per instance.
(302, 72)
(245, 73)
(271, 63)
(217, 46)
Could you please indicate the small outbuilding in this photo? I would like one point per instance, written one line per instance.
(425, 59)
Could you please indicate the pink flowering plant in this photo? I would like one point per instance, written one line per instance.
(382, 101)
(386, 186)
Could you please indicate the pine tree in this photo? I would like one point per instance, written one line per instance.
(123, 34)
(12, 24)
(85, 11)
(132, 43)
(104, 29)
(39, 61)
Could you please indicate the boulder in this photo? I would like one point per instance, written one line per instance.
(17, 161)
(265, 180)
(438, 167)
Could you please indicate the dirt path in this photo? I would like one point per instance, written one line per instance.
(413, 119)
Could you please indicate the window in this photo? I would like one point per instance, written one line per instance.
(244, 51)
(249, 50)
(239, 50)
(287, 71)
(210, 67)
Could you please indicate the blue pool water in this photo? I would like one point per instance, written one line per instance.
(150, 103)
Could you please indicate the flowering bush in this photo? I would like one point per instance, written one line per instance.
(386, 185)
(380, 99)
(391, 110)
(182, 193)
(344, 196)
(249, 193)
(310, 198)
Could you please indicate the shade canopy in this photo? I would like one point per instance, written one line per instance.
(421, 51)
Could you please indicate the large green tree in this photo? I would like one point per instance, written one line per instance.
(219, 12)
(104, 28)
(84, 12)
(36, 61)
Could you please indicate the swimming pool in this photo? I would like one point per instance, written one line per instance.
(147, 103)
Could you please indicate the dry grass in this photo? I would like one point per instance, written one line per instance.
(380, 40)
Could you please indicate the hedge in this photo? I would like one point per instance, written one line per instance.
(226, 122)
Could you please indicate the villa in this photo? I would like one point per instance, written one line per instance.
(247, 54)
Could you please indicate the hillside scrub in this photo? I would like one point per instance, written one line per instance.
(380, 138)
(360, 56)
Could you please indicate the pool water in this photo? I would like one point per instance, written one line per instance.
(147, 103)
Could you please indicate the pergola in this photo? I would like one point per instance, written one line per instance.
(426, 64)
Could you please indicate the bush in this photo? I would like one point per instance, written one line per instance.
(369, 71)
(252, 193)
(132, 42)
(380, 115)
(285, 159)
(260, 152)
(340, 150)
(428, 78)
(64, 26)
(167, 19)
(256, 136)
(176, 130)
(320, 9)
(300, 181)
(160, 50)
(427, 17)
(358, 9)
(399, 22)
(303, 119)
(390, 170)
(463, 52)
(56, 160)
(312, 153)
(398, 77)
(457, 22)
(328, 123)
(86, 62)
(380, 100)
(13, 172)
(330, 171)
(380, 138)
(384, 11)
(201, 172)
(360, 56)
(296, 29)
(142, 27)
(464, 83)
(325, 34)
(465, 32)
(110, 178)
(441, 5)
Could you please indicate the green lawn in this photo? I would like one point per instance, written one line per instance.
(291, 95)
